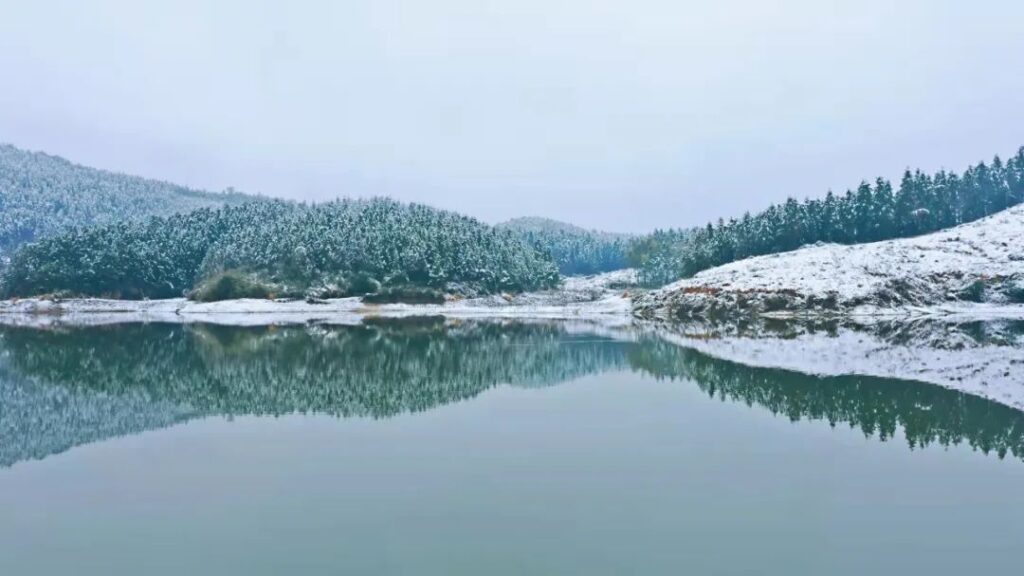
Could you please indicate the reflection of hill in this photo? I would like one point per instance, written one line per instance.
(979, 358)
(928, 413)
(372, 370)
(921, 333)
(37, 420)
(63, 387)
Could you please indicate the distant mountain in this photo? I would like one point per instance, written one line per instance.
(42, 195)
(540, 224)
(576, 250)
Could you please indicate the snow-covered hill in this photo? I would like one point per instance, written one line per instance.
(982, 261)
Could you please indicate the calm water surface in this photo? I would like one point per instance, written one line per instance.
(422, 447)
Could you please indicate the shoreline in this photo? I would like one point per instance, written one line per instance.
(551, 306)
(598, 297)
(610, 309)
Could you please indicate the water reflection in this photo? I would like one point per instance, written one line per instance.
(62, 387)
(877, 406)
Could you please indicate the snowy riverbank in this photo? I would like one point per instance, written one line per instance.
(599, 298)
(603, 299)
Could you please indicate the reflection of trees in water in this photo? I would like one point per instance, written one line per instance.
(61, 388)
(376, 370)
(877, 406)
(38, 419)
(64, 387)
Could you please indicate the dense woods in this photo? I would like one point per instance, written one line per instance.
(575, 250)
(289, 249)
(919, 204)
(42, 195)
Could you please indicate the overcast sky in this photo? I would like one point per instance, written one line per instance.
(624, 115)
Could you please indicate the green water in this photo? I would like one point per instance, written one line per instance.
(429, 448)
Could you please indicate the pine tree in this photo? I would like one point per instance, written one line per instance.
(906, 204)
(864, 222)
(883, 217)
(831, 224)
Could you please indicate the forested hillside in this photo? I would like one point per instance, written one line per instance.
(41, 195)
(261, 249)
(575, 250)
(921, 203)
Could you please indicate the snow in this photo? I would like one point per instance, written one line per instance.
(936, 265)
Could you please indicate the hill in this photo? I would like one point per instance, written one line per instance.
(576, 251)
(920, 204)
(42, 195)
(977, 262)
(276, 248)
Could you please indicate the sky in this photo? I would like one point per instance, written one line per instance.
(625, 116)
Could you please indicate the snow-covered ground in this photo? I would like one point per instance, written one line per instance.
(598, 298)
(882, 277)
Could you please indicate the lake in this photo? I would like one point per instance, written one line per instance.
(425, 446)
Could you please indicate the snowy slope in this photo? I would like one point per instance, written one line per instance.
(890, 275)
